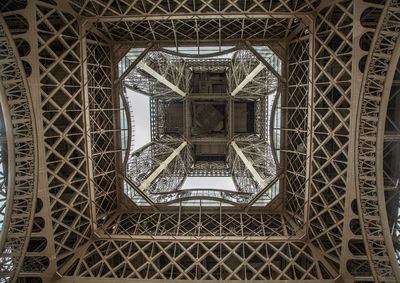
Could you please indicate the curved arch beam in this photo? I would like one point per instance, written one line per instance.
(199, 56)
(10, 184)
(379, 157)
(380, 68)
(15, 88)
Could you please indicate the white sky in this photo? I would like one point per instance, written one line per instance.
(140, 105)
(220, 183)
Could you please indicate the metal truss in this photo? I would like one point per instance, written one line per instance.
(158, 118)
(252, 164)
(210, 260)
(390, 151)
(330, 131)
(377, 83)
(203, 224)
(213, 22)
(69, 221)
(250, 77)
(18, 184)
(144, 67)
(116, 10)
(169, 173)
(99, 125)
(160, 75)
(209, 169)
(295, 109)
(163, 180)
(159, 166)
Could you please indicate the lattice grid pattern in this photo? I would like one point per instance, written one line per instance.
(63, 127)
(333, 39)
(201, 224)
(199, 260)
(296, 129)
(71, 79)
(101, 126)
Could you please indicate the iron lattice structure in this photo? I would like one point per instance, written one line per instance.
(64, 216)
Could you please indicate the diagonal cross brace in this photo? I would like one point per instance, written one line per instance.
(145, 185)
(260, 181)
(248, 78)
(161, 78)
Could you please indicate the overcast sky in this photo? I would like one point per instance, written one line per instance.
(140, 105)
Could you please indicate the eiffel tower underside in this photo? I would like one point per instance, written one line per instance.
(296, 102)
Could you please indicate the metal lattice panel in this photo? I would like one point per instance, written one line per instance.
(201, 224)
(296, 130)
(330, 128)
(101, 126)
(63, 126)
(209, 260)
(140, 9)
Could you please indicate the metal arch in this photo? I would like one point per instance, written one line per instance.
(23, 211)
(198, 56)
(11, 171)
(185, 198)
(379, 157)
(226, 196)
(370, 193)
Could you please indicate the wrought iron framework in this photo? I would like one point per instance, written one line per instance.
(336, 219)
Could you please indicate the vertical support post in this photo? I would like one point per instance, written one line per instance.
(231, 111)
(187, 117)
(310, 121)
(86, 126)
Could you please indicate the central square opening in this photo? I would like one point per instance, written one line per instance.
(210, 121)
